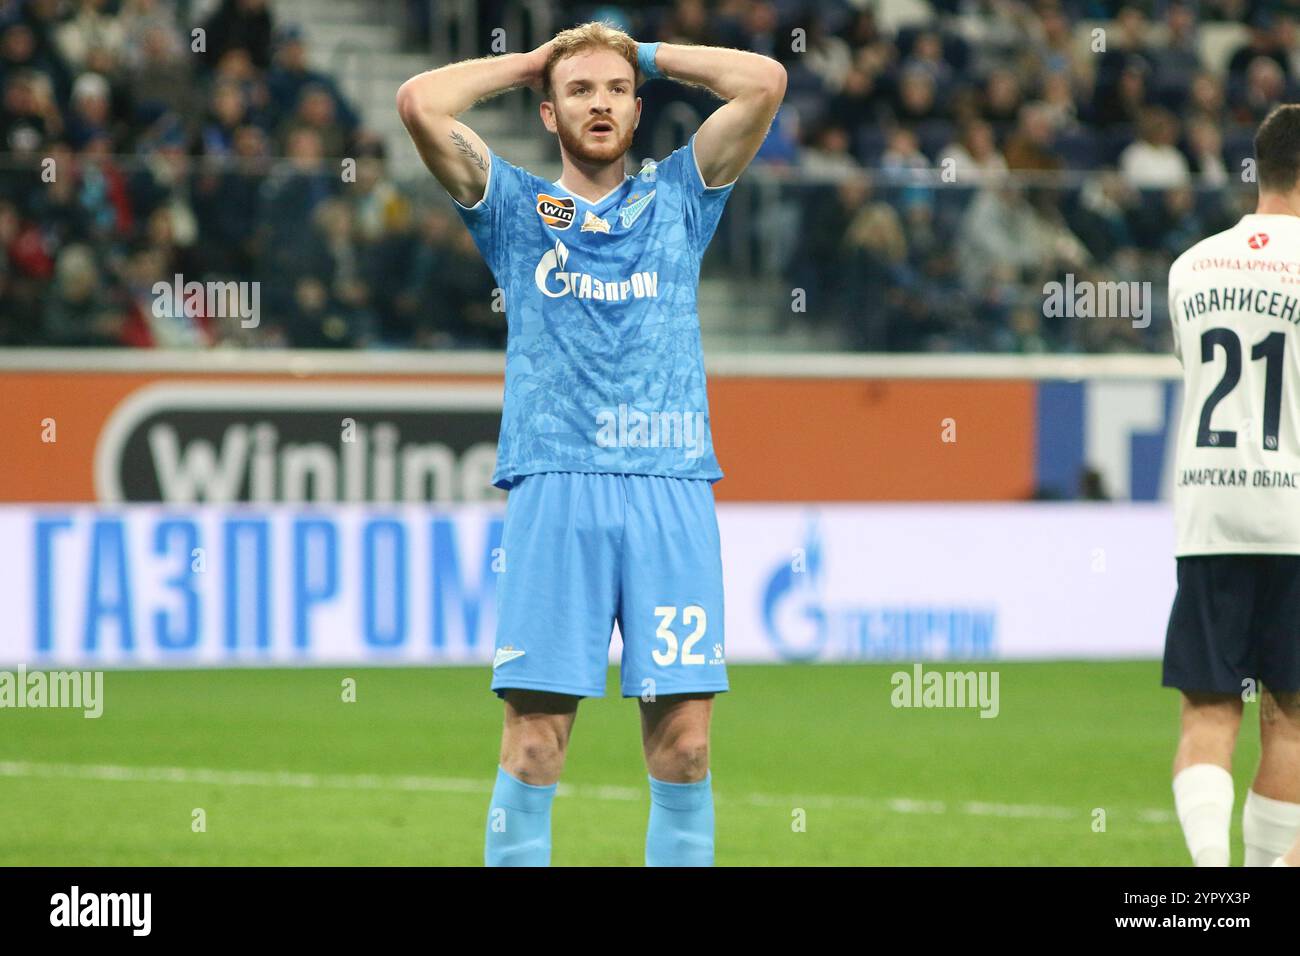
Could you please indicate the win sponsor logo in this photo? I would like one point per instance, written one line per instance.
(130, 910)
(192, 442)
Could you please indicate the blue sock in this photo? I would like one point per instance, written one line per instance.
(519, 823)
(681, 824)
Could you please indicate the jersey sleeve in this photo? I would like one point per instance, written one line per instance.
(703, 204)
(486, 219)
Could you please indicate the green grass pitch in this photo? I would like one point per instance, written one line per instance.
(812, 765)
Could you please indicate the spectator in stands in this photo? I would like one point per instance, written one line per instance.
(916, 101)
(90, 26)
(1005, 241)
(1153, 161)
(860, 101)
(91, 116)
(1264, 42)
(160, 81)
(828, 56)
(155, 315)
(1206, 100)
(318, 320)
(103, 192)
(78, 313)
(1205, 147)
(481, 325)
(240, 25)
(1002, 101)
(975, 155)
(163, 175)
(1030, 147)
(687, 21)
(1059, 102)
(291, 75)
(426, 271)
(316, 113)
(1120, 101)
(140, 19)
(288, 199)
(227, 203)
(29, 118)
(1178, 61)
(829, 150)
(57, 207)
(226, 114)
(21, 50)
(235, 65)
(903, 152)
(1100, 218)
(927, 57)
(1265, 87)
(875, 260)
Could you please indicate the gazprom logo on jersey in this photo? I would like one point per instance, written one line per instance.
(147, 585)
(556, 281)
(805, 622)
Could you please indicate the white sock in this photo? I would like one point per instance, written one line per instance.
(1269, 826)
(1203, 798)
(1281, 861)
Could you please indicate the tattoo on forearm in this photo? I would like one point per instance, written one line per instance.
(468, 151)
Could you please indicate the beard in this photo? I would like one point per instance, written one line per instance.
(582, 147)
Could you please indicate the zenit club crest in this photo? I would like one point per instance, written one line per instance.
(636, 205)
(556, 211)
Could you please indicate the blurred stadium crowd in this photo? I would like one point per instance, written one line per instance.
(889, 159)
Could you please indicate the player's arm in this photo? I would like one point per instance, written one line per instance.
(753, 86)
(430, 102)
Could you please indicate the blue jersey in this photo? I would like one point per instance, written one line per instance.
(604, 370)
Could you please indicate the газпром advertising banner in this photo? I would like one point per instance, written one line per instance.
(148, 585)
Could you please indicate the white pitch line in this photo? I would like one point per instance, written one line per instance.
(323, 781)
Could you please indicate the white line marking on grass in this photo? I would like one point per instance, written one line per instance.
(327, 781)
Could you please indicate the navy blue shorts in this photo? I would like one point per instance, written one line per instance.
(1236, 617)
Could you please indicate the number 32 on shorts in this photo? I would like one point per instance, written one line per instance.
(692, 614)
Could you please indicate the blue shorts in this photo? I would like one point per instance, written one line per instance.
(583, 551)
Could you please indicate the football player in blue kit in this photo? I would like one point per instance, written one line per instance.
(605, 444)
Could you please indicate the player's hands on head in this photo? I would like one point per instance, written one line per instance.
(539, 57)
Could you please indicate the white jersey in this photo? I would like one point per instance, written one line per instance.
(1234, 300)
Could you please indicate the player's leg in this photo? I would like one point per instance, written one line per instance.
(1203, 794)
(1270, 819)
(675, 738)
(671, 619)
(557, 593)
(534, 742)
(1209, 656)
